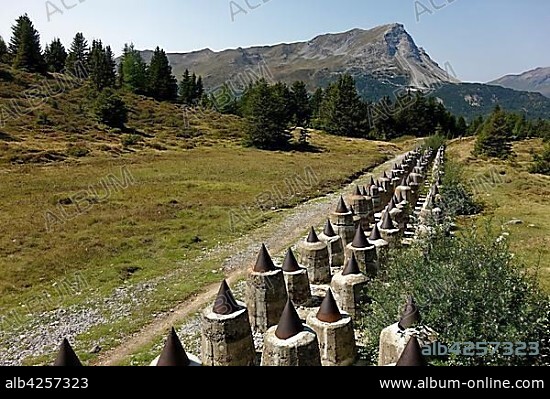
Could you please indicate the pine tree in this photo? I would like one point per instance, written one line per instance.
(25, 46)
(110, 109)
(55, 56)
(185, 88)
(193, 87)
(133, 70)
(342, 112)
(282, 96)
(520, 129)
(315, 104)
(102, 66)
(190, 89)
(382, 121)
(265, 112)
(162, 85)
(461, 126)
(110, 67)
(475, 126)
(3, 51)
(199, 89)
(493, 139)
(301, 111)
(77, 60)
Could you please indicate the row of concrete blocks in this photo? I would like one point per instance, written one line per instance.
(272, 292)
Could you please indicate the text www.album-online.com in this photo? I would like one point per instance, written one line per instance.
(486, 383)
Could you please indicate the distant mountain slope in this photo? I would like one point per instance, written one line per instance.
(537, 80)
(472, 99)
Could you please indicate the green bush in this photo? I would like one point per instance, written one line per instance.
(43, 119)
(435, 141)
(541, 163)
(468, 289)
(130, 139)
(494, 137)
(110, 109)
(77, 150)
(459, 201)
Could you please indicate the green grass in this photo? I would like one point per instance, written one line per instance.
(187, 177)
(510, 192)
(178, 206)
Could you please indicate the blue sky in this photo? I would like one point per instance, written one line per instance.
(481, 39)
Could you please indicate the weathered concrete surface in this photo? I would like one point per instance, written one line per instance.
(348, 291)
(227, 340)
(297, 286)
(300, 350)
(364, 209)
(266, 298)
(314, 257)
(366, 258)
(336, 340)
(344, 226)
(335, 249)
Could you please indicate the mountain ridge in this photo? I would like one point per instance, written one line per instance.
(535, 80)
(385, 51)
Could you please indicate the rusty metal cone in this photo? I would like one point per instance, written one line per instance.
(360, 240)
(225, 303)
(375, 234)
(372, 181)
(357, 191)
(387, 223)
(352, 267)
(173, 354)
(66, 357)
(290, 324)
(312, 237)
(329, 231)
(411, 315)
(329, 312)
(412, 355)
(290, 264)
(391, 205)
(342, 208)
(264, 263)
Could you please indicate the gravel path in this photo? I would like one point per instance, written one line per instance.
(46, 330)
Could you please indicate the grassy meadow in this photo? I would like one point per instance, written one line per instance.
(515, 201)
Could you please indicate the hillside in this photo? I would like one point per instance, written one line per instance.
(498, 185)
(472, 99)
(43, 118)
(536, 80)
